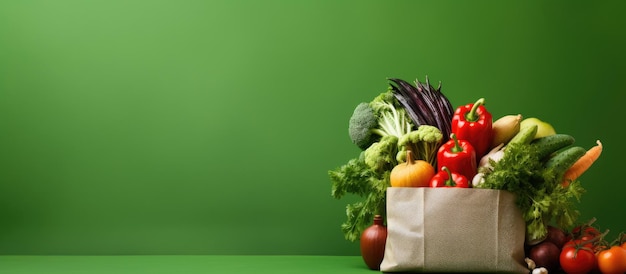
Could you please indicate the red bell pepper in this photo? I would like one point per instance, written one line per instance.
(472, 122)
(459, 156)
(446, 178)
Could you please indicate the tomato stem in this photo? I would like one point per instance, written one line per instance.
(597, 238)
(621, 238)
(590, 222)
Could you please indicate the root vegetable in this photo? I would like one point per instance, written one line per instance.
(505, 128)
(546, 254)
(582, 164)
(556, 236)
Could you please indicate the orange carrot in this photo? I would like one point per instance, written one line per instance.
(582, 164)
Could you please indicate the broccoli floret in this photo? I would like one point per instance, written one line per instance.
(392, 119)
(424, 142)
(381, 155)
(381, 117)
(362, 122)
(381, 102)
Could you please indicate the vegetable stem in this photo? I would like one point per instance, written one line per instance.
(450, 182)
(457, 147)
(409, 157)
(471, 116)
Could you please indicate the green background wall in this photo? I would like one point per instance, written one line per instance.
(208, 127)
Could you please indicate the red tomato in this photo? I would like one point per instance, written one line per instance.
(579, 243)
(612, 260)
(577, 259)
(585, 230)
(589, 238)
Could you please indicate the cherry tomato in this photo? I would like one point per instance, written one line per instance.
(585, 230)
(589, 238)
(579, 243)
(612, 260)
(577, 259)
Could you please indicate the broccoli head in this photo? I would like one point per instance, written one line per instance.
(381, 155)
(424, 142)
(362, 122)
(380, 117)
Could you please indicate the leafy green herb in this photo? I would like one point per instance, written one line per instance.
(356, 177)
(540, 195)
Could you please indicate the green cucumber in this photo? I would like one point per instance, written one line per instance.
(525, 135)
(562, 160)
(552, 143)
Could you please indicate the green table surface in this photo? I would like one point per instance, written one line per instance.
(182, 264)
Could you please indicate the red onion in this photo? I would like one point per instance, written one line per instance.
(546, 254)
(373, 243)
(557, 236)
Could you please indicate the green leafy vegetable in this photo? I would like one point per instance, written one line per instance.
(381, 117)
(392, 118)
(381, 155)
(358, 178)
(540, 195)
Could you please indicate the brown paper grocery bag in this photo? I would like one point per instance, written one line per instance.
(453, 230)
